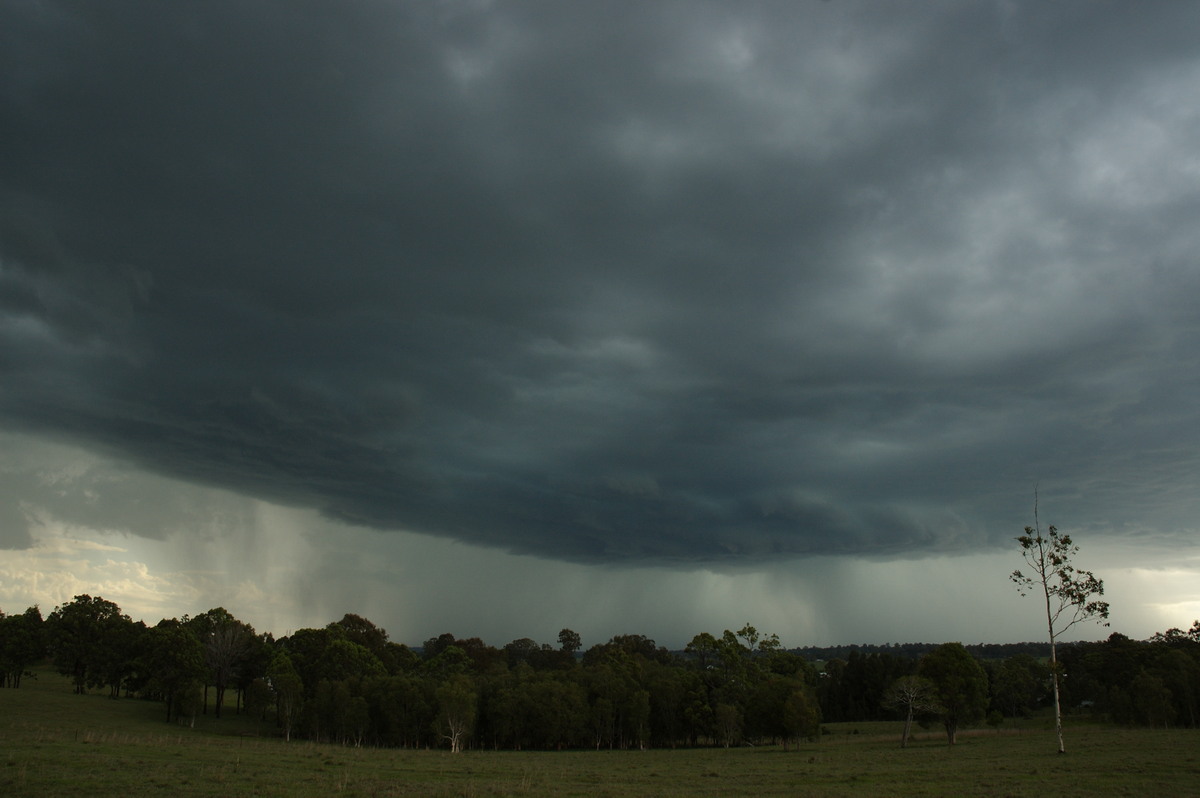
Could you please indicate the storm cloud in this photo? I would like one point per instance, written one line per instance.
(651, 283)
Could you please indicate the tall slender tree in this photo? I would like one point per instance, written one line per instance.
(1070, 594)
(289, 692)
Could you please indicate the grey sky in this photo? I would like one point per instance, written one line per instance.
(655, 285)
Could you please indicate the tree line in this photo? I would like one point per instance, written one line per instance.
(349, 683)
(981, 651)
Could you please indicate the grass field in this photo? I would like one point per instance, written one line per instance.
(56, 743)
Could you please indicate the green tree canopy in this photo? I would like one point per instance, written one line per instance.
(76, 636)
(22, 642)
(960, 683)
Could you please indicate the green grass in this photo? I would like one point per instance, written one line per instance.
(56, 743)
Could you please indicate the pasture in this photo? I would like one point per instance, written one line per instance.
(56, 743)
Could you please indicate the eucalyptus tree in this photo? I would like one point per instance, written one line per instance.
(458, 704)
(1070, 594)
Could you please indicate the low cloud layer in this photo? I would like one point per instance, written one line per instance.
(282, 569)
(674, 284)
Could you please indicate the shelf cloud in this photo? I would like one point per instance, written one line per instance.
(681, 285)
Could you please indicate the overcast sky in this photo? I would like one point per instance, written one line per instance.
(630, 317)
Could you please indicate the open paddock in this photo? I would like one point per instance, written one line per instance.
(55, 743)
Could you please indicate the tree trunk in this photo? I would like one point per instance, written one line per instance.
(1057, 704)
(1053, 663)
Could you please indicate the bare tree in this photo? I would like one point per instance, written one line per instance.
(458, 704)
(914, 694)
(224, 651)
(1069, 593)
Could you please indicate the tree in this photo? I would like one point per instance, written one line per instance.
(728, 722)
(1153, 703)
(913, 695)
(854, 688)
(357, 720)
(289, 692)
(76, 636)
(782, 709)
(342, 660)
(359, 630)
(401, 709)
(252, 667)
(801, 715)
(1018, 683)
(750, 635)
(189, 702)
(258, 697)
(703, 651)
(1180, 674)
(176, 660)
(620, 704)
(1069, 593)
(521, 650)
(227, 643)
(569, 641)
(479, 656)
(116, 662)
(458, 702)
(960, 683)
(22, 642)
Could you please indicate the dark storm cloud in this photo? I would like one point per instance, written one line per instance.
(646, 282)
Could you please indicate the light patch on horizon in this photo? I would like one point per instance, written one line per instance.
(1167, 597)
(64, 562)
(152, 579)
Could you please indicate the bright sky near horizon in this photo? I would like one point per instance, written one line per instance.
(495, 318)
